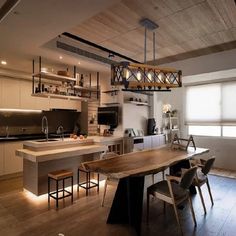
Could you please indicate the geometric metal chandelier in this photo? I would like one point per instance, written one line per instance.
(141, 77)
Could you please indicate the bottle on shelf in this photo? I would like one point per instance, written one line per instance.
(81, 82)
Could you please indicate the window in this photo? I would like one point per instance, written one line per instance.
(210, 109)
(205, 130)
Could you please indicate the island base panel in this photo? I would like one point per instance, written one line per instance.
(35, 174)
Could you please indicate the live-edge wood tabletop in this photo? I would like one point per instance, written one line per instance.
(142, 162)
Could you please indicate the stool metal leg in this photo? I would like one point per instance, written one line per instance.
(57, 193)
(48, 190)
(98, 184)
(72, 189)
(63, 187)
(78, 180)
(87, 179)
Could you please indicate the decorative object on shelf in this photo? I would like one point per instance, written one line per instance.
(63, 73)
(81, 81)
(177, 143)
(166, 108)
(143, 77)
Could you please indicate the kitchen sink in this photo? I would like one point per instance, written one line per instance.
(49, 140)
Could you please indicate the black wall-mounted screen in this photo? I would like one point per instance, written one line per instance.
(108, 116)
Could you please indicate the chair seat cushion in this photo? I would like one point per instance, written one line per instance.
(162, 188)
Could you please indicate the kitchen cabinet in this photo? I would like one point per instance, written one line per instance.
(10, 93)
(64, 104)
(12, 163)
(26, 101)
(147, 142)
(155, 139)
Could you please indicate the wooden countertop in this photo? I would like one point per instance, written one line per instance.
(59, 153)
(141, 163)
(105, 139)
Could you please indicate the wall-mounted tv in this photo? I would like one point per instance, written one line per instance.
(108, 116)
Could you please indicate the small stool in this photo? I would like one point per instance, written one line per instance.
(88, 184)
(60, 175)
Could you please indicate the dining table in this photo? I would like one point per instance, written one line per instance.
(130, 170)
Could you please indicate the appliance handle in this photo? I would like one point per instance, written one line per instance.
(138, 140)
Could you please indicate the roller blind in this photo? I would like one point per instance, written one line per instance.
(228, 103)
(203, 104)
(211, 104)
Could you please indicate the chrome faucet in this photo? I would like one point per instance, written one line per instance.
(45, 126)
(60, 130)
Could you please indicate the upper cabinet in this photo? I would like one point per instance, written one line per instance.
(10, 93)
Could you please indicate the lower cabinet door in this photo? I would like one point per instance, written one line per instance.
(147, 141)
(12, 163)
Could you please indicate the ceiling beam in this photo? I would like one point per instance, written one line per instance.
(195, 53)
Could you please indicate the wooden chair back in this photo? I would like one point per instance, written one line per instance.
(187, 177)
(208, 165)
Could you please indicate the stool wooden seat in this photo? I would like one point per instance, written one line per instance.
(60, 175)
(87, 184)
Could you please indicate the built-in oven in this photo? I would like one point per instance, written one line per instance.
(138, 143)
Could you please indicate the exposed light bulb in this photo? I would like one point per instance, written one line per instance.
(127, 74)
(139, 76)
(160, 77)
(60, 57)
(149, 77)
(168, 79)
(44, 69)
(3, 62)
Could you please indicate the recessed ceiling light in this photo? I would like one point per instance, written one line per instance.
(60, 57)
(79, 63)
(3, 62)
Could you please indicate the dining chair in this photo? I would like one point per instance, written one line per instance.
(108, 179)
(174, 190)
(201, 178)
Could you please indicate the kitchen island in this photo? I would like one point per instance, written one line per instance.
(41, 157)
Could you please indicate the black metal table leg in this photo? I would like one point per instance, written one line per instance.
(128, 203)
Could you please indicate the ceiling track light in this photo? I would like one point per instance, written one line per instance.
(7, 7)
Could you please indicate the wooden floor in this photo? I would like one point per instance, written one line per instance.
(24, 214)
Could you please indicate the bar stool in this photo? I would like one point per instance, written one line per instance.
(87, 184)
(60, 175)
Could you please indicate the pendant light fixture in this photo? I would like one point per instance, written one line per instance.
(143, 77)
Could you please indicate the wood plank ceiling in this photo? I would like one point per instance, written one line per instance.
(187, 28)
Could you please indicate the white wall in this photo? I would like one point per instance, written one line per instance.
(205, 68)
(131, 116)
